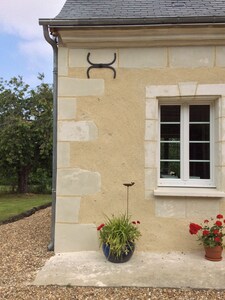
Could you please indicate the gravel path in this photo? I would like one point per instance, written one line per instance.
(23, 250)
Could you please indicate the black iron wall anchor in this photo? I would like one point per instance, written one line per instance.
(101, 66)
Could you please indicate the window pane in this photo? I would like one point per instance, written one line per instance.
(170, 132)
(199, 170)
(170, 113)
(170, 141)
(170, 151)
(170, 169)
(199, 132)
(199, 113)
(185, 143)
(199, 151)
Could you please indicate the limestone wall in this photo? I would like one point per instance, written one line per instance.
(108, 135)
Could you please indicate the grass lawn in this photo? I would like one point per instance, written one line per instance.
(14, 204)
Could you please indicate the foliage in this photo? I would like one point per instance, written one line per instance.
(40, 181)
(118, 232)
(14, 204)
(26, 129)
(209, 235)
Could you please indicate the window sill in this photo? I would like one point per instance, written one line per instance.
(188, 192)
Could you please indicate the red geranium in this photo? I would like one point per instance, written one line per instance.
(100, 226)
(217, 239)
(219, 216)
(194, 228)
(218, 223)
(205, 232)
(209, 235)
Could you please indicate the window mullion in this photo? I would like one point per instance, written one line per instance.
(212, 141)
(185, 142)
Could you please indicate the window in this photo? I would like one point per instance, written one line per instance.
(186, 145)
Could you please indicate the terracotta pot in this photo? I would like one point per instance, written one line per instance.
(214, 253)
(124, 257)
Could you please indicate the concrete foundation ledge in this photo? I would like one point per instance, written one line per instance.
(145, 269)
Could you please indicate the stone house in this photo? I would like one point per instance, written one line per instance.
(139, 96)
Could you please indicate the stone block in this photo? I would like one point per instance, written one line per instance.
(220, 175)
(67, 108)
(220, 160)
(221, 127)
(170, 208)
(191, 57)
(220, 54)
(75, 237)
(63, 155)
(222, 154)
(150, 155)
(152, 109)
(211, 89)
(63, 61)
(151, 131)
(77, 131)
(222, 107)
(71, 87)
(77, 182)
(143, 58)
(67, 209)
(149, 195)
(202, 208)
(187, 88)
(154, 91)
(188, 192)
(218, 107)
(150, 179)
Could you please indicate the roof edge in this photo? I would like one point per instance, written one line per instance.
(134, 21)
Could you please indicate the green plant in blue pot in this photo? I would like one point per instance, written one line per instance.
(117, 237)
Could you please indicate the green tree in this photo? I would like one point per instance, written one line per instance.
(25, 129)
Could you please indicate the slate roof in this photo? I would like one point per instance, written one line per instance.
(106, 12)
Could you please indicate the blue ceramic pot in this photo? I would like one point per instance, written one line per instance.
(124, 257)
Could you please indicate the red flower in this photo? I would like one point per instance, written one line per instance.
(217, 239)
(100, 226)
(194, 228)
(209, 234)
(205, 232)
(218, 223)
(219, 216)
(133, 222)
(138, 222)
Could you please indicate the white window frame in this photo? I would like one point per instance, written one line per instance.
(185, 181)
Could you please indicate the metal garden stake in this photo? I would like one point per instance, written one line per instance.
(128, 185)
